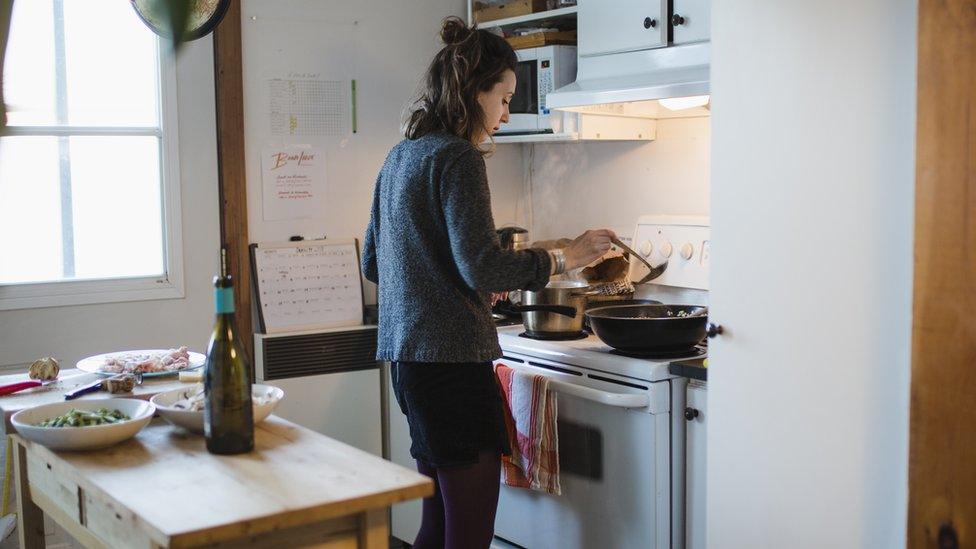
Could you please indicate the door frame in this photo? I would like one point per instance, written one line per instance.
(942, 437)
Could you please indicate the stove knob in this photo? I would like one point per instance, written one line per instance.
(646, 248)
(687, 250)
(691, 413)
(666, 248)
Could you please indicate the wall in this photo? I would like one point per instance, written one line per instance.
(579, 186)
(386, 47)
(72, 333)
(813, 125)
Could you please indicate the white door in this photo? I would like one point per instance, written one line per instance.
(690, 20)
(812, 186)
(610, 26)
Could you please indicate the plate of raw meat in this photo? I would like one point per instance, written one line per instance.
(148, 362)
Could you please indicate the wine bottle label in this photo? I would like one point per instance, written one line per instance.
(225, 300)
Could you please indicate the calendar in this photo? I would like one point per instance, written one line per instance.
(307, 285)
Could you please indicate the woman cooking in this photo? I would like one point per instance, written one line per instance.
(432, 249)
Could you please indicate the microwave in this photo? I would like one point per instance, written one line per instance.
(539, 72)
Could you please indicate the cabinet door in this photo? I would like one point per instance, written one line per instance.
(610, 26)
(691, 21)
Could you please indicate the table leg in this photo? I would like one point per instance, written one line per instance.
(30, 518)
(374, 529)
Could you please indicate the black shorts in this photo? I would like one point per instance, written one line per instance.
(454, 410)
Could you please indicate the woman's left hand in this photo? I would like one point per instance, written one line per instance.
(498, 296)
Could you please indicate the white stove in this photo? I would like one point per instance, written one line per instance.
(620, 424)
(590, 353)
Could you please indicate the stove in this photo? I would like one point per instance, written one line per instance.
(621, 428)
(587, 351)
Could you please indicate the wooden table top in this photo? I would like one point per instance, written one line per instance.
(165, 479)
(71, 378)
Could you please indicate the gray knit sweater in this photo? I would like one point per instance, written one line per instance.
(431, 247)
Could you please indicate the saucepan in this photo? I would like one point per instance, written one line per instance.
(555, 310)
(644, 329)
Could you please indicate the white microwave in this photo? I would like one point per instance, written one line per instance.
(539, 72)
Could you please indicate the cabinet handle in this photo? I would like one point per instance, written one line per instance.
(691, 413)
(714, 330)
(677, 20)
(650, 23)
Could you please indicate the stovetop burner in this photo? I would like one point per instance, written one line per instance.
(684, 353)
(554, 337)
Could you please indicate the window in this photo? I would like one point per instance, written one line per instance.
(89, 190)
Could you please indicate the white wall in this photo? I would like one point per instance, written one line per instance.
(579, 186)
(385, 46)
(72, 333)
(813, 123)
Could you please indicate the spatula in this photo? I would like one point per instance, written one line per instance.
(654, 271)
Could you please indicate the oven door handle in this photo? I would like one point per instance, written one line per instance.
(619, 400)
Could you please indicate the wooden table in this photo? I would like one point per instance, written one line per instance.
(298, 488)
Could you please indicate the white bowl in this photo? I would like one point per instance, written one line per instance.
(91, 437)
(193, 421)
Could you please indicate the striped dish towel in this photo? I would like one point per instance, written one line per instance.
(530, 419)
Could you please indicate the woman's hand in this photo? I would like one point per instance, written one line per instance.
(498, 296)
(588, 247)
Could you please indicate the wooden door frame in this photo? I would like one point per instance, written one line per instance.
(229, 84)
(942, 433)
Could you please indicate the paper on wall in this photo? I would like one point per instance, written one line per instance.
(293, 182)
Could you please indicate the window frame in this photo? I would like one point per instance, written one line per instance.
(169, 285)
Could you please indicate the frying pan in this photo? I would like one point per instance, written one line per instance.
(649, 328)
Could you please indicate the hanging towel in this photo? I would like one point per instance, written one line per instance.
(530, 419)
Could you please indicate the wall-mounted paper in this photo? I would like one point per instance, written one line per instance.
(294, 182)
(304, 104)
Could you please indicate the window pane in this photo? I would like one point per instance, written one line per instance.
(118, 215)
(30, 209)
(111, 65)
(28, 71)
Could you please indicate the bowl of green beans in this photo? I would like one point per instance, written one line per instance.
(83, 424)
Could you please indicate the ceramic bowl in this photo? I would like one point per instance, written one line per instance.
(193, 420)
(91, 437)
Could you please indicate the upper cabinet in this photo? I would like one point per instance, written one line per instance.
(690, 21)
(614, 26)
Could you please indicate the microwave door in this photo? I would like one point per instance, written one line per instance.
(524, 108)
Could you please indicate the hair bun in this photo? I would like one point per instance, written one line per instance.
(454, 31)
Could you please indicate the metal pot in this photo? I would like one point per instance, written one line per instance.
(513, 238)
(649, 328)
(539, 315)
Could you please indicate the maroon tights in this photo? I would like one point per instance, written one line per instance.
(461, 513)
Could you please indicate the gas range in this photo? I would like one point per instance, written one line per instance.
(590, 353)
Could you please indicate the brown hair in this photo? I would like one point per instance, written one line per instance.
(471, 61)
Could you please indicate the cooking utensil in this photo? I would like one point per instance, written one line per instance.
(654, 271)
(644, 329)
(11, 388)
(612, 301)
(570, 296)
(98, 385)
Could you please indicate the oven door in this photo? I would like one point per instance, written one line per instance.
(615, 466)
(524, 110)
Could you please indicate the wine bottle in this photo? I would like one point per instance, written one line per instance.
(228, 413)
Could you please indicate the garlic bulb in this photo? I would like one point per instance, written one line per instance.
(44, 368)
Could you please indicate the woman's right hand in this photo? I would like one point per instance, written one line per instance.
(588, 247)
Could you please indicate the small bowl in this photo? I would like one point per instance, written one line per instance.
(91, 437)
(193, 420)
